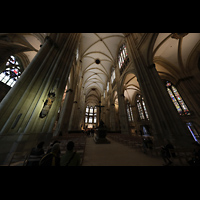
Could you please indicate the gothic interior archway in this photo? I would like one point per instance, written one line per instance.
(135, 105)
(176, 61)
(98, 54)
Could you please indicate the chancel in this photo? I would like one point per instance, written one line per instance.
(144, 87)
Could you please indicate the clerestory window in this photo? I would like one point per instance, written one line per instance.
(123, 58)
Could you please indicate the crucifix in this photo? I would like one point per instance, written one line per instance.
(101, 131)
(99, 106)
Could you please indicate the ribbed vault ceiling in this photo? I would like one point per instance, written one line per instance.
(103, 47)
(174, 56)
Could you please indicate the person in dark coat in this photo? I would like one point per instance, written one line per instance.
(35, 155)
(165, 155)
(52, 158)
(51, 146)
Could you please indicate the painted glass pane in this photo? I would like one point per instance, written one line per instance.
(180, 100)
(145, 110)
(12, 72)
(90, 119)
(128, 113)
(140, 110)
(174, 101)
(91, 109)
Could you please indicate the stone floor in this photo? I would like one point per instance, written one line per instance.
(116, 154)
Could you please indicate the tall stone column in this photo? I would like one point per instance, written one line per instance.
(69, 111)
(166, 122)
(21, 124)
(112, 117)
(81, 105)
(63, 122)
(124, 125)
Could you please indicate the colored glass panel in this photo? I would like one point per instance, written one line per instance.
(174, 101)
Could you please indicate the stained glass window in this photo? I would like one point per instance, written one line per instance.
(12, 72)
(107, 86)
(177, 99)
(90, 119)
(87, 109)
(180, 100)
(123, 58)
(174, 101)
(145, 110)
(90, 115)
(129, 112)
(95, 120)
(95, 110)
(142, 108)
(112, 78)
(91, 110)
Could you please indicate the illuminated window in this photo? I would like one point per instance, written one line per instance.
(129, 112)
(12, 72)
(95, 120)
(142, 108)
(112, 78)
(90, 119)
(90, 115)
(95, 110)
(176, 98)
(107, 86)
(87, 109)
(91, 110)
(123, 58)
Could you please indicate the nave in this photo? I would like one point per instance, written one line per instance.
(124, 150)
(138, 84)
(116, 154)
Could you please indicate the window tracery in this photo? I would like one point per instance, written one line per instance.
(91, 115)
(177, 99)
(123, 58)
(12, 72)
(142, 108)
(129, 112)
(112, 78)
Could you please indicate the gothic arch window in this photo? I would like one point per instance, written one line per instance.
(176, 98)
(129, 112)
(91, 110)
(107, 86)
(123, 58)
(87, 110)
(142, 107)
(112, 78)
(12, 72)
(90, 120)
(90, 115)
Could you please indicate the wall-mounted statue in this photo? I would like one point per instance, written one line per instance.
(47, 104)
